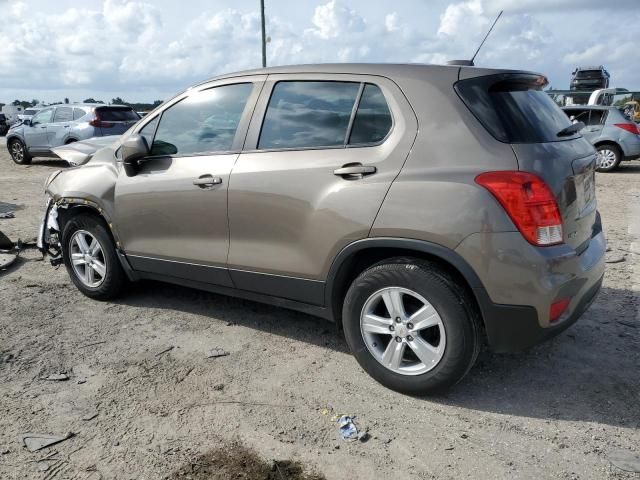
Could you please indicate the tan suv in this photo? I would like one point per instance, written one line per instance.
(423, 208)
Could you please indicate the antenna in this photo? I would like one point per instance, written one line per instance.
(485, 37)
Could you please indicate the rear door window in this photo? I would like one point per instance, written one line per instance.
(203, 122)
(63, 114)
(308, 114)
(514, 108)
(117, 114)
(373, 118)
(78, 113)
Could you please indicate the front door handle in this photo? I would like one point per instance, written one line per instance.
(355, 170)
(207, 181)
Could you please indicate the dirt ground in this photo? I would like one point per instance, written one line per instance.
(144, 401)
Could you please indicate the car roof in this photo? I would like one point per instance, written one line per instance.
(381, 69)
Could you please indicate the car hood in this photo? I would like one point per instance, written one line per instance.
(79, 153)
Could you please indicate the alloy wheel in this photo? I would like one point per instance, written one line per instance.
(607, 158)
(17, 151)
(403, 331)
(87, 259)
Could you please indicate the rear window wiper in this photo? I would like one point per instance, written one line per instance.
(571, 129)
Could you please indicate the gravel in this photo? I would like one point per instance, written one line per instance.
(557, 411)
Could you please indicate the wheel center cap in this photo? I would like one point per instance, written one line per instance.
(401, 331)
(87, 258)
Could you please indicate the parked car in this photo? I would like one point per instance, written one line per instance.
(11, 113)
(588, 79)
(615, 137)
(422, 208)
(63, 124)
(4, 125)
(28, 114)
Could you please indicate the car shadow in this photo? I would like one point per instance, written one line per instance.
(589, 373)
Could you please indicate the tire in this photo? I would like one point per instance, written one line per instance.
(105, 278)
(610, 157)
(455, 337)
(19, 153)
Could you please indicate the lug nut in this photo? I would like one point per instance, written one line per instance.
(398, 319)
(409, 338)
(392, 328)
(410, 326)
(398, 339)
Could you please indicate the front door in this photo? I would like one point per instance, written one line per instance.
(35, 134)
(312, 177)
(171, 212)
(58, 129)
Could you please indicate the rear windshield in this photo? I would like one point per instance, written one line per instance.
(30, 112)
(589, 74)
(513, 108)
(117, 114)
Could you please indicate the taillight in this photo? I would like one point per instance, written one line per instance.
(529, 203)
(558, 308)
(629, 127)
(96, 122)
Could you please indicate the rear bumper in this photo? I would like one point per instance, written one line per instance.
(520, 282)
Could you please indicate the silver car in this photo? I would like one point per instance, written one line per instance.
(615, 137)
(62, 124)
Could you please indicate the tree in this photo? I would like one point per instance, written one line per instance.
(92, 100)
(118, 101)
(66, 100)
(35, 102)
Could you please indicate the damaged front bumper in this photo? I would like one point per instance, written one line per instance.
(49, 234)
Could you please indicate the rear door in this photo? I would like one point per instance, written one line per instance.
(58, 129)
(171, 211)
(321, 153)
(35, 134)
(115, 120)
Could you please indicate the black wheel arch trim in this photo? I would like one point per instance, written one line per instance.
(520, 320)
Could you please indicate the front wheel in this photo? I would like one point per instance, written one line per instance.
(410, 326)
(91, 259)
(609, 158)
(19, 153)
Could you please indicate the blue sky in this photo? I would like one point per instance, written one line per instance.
(145, 50)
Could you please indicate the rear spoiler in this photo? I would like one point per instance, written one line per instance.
(79, 153)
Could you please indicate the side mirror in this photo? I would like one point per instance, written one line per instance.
(26, 122)
(134, 148)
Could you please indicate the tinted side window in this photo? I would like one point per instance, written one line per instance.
(78, 113)
(63, 114)
(597, 117)
(43, 116)
(203, 122)
(308, 114)
(373, 118)
(149, 130)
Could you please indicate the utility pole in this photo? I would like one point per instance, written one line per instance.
(264, 36)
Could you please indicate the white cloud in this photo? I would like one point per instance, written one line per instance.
(135, 49)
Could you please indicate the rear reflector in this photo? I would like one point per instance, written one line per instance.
(629, 127)
(529, 203)
(557, 309)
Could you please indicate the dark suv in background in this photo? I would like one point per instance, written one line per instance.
(423, 208)
(588, 79)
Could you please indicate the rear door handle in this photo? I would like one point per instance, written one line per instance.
(355, 170)
(207, 181)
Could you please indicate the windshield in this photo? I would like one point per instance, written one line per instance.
(514, 108)
(589, 74)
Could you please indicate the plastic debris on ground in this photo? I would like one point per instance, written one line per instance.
(349, 431)
(56, 377)
(624, 460)
(38, 441)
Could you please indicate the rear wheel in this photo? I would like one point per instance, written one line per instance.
(410, 326)
(609, 157)
(91, 259)
(19, 153)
